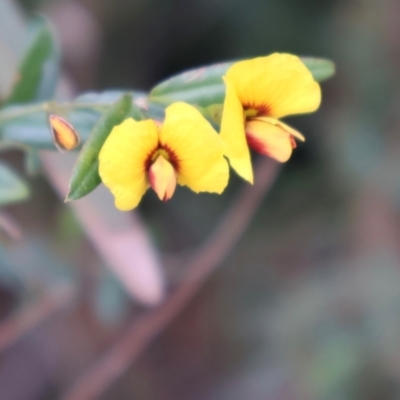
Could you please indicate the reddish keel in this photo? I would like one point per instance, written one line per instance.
(162, 178)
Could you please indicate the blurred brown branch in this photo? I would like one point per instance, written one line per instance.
(144, 329)
(15, 327)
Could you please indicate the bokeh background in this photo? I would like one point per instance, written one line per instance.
(307, 306)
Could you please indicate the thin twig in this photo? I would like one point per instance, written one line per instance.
(15, 112)
(144, 329)
(18, 325)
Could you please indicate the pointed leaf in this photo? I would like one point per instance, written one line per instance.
(204, 86)
(85, 175)
(38, 71)
(200, 86)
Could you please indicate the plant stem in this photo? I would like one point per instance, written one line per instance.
(18, 112)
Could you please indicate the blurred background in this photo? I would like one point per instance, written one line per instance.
(307, 306)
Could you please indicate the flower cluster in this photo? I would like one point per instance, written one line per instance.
(185, 148)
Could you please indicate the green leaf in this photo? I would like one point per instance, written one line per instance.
(200, 86)
(204, 86)
(12, 187)
(141, 103)
(38, 71)
(28, 124)
(321, 69)
(85, 175)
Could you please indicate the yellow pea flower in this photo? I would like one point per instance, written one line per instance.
(185, 149)
(258, 93)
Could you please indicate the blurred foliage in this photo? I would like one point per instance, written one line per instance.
(38, 71)
(306, 307)
(12, 187)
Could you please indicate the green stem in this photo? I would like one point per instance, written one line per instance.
(46, 107)
(16, 113)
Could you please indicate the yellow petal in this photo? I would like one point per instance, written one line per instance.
(214, 181)
(162, 178)
(276, 85)
(195, 147)
(271, 138)
(122, 161)
(233, 134)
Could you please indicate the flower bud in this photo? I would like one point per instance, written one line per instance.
(162, 178)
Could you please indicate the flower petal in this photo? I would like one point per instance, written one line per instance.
(276, 85)
(214, 181)
(196, 148)
(122, 161)
(271, 138)
(233, 134)
(162, 178)
(284, 126)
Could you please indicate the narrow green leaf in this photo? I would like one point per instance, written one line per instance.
(204, 86)
(38, 71)
(200, 86)
(12, 187)
(85, 175)
(141, 102)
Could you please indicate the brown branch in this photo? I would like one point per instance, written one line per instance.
(15, 327)
(144, 329)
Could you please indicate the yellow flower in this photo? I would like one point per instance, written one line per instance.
(185, 149)
(258, 92)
